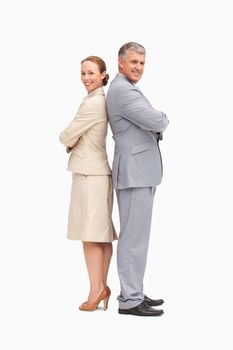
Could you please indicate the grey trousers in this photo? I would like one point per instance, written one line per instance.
(135, 210)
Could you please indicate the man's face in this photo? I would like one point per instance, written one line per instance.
(132, 66)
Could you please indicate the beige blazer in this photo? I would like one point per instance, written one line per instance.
(86, 135)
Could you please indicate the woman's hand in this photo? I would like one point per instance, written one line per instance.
(69, 149)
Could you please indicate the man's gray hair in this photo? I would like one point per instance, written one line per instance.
(133, 46)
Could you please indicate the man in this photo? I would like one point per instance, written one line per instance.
(137, 170)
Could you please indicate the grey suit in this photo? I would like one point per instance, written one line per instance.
(136, 171)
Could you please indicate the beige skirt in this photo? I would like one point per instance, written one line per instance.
(90, 213)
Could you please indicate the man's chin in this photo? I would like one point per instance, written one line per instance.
(135, 80)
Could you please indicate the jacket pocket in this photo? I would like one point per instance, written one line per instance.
(140, 148)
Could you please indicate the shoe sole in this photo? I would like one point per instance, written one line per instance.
(126, 312)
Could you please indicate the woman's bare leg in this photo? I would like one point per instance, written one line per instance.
(94, 257)
(107, 255)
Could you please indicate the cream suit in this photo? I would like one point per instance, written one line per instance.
(91, 194)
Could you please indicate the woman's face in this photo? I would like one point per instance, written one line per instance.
(91, 76)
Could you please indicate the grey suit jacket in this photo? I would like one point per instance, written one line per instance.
(136, 127)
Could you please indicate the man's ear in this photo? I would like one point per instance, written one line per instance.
(120, 62)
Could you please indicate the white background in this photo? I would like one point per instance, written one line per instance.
(188, 75)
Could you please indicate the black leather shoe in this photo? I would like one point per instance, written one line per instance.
(141, 310)
(153, 302)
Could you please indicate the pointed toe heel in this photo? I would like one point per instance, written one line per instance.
(93, 306)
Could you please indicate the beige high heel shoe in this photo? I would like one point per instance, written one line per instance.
(105, 295)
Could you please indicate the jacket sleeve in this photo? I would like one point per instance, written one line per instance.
(137, 109)
(85, 119)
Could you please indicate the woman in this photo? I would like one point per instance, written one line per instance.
(91, 195)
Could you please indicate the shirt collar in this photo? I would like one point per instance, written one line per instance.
(99, 91)
(124, 77)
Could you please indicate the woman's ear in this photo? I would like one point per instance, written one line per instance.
(103, 75)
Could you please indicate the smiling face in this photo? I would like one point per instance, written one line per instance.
(91, 76)
(132, 66)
